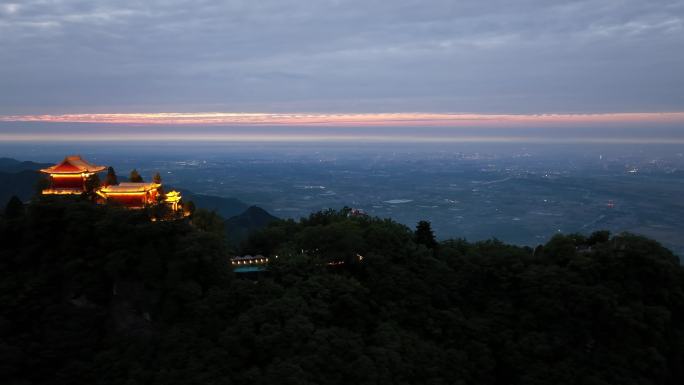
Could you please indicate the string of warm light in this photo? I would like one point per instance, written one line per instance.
(62, 191)
(74, 175)
(249, 261)
(141, 193)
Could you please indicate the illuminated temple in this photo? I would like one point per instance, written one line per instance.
(70, 177)
(132, 195)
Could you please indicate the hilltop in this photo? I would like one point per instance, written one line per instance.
(240, 227)
(22, 179)
(100, 295)
(225, 207)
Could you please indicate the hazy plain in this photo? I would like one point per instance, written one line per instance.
(521, 193)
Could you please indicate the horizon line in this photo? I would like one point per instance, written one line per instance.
(297, 138)
(398, 119)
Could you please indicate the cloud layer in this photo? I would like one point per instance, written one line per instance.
(361, 120)
(664, 128)
(497, 56)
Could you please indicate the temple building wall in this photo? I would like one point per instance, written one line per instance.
(128, 200)
(66, 182)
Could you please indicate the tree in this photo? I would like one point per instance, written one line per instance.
(189, 207)
(43, 183)
(111, 179)
(597, 237)
(14, 208)
(424, 235)
(157, 179)
(160, 210)
(208, 221)
(135, 177)
(92, 183)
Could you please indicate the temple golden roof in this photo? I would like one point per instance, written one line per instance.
(73, 164)
(130, 187)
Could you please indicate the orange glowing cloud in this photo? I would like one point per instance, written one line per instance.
(356, 120)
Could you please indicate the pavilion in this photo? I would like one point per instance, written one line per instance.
(131, 195)
(70, 175)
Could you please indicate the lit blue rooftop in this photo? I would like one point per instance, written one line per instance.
(249, 269)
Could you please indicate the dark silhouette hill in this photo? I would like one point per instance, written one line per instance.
(239, 227)
(226, 207)
(13, 165)
(23, 184)
(19, 179)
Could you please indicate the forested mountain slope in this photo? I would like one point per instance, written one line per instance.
(93, 294)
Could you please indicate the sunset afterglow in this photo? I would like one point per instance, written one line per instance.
(378, 127)
(354, 120)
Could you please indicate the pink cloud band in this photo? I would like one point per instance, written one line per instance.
(356, 120)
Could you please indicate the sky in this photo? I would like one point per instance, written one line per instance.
(61, 60)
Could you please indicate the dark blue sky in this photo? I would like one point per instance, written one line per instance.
(497, 56)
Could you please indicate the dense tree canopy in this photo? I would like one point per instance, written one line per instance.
(100, 295)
